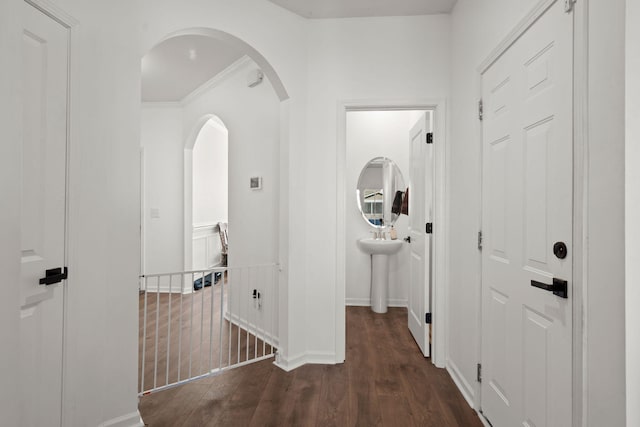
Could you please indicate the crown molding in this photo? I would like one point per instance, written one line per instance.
(216, 80)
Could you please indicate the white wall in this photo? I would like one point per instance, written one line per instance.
(210, 175)
(101, 307)
(11, 125)
(633, 211)
(477, 28)
(251, 116)
(161, 134)
(605, 292)
(279, 38)
(374, 134)
(374, 59)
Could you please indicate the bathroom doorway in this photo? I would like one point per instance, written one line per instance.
(382, 129)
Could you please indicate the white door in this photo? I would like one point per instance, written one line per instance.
(420, 213)
(527, 217)
(43, 226)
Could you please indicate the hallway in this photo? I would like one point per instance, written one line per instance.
(384, 381)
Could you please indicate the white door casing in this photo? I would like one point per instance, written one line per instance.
(43, 221)
(526, 209)
(421, 180)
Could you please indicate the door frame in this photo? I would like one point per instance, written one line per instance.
(580, 191)
(440, 274)
(71, 24)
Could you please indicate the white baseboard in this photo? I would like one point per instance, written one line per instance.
(463, 385)
(288, 364)
(483, 420)
(129, 420)
(314, 358)
(321, 358)
(366, 302)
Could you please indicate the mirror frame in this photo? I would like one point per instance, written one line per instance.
(399, 186)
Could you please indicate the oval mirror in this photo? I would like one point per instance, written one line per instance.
(380, 192)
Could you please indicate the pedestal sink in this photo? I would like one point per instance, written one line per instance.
(380, 251)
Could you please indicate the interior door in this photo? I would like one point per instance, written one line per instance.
(527, 226)
(420, 212)
(43, 225)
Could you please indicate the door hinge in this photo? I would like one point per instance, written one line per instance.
(430, 138)
(480, 110)
(479, 373)
(429, 228)
(427, 318)
(568, 5)
(480, 240)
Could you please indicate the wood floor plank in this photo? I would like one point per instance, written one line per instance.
(274, 400)
(243, 402)
(333, 406)
(396, 411)
(385, 381)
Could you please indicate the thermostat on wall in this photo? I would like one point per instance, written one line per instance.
(255, 183)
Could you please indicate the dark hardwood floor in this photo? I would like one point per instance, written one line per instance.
(385, 381)
(184, 334)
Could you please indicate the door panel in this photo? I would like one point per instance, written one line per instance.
(44, 83)
(527, 207)
(420, 212)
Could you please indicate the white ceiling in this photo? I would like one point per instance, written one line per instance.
(179, 65)
(365, 8)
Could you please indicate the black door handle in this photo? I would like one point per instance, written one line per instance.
(558, 287)
(55, 275)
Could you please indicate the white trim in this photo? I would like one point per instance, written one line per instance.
(308, 358)
(203, 88)
(215, 80)
(465, 388)
(483, 420)
(366, 302)
(441, 234)
(289, 364)
(320, 358)
(143, 210)
(535, 13)
(134, 419)
(54, 12)
(580, 209)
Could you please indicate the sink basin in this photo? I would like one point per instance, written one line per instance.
(379, 247)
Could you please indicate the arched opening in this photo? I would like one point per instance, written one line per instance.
(207, 195)
(197, 130)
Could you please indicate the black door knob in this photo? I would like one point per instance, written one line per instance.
(560, 250)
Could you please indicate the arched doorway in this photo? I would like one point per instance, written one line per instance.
(248, 113)
(206, 191)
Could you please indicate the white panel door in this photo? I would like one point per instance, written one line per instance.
(527, 212)
(420, 212)
(43, 225)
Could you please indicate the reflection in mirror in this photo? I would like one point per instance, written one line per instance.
(380, 191)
